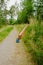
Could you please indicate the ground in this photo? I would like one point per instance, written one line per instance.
(12, 53)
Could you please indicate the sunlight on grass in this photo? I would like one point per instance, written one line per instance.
(5, 33)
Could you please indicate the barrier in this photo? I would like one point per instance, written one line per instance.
(21, 34)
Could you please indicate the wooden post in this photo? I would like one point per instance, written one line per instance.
(22, 32)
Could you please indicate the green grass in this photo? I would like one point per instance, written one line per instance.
(2, 26)
(33, 39)
(20, 27)
(5, 33)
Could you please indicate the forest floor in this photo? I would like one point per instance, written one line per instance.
(12, 53)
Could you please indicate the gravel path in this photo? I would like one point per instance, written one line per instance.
(12, 53)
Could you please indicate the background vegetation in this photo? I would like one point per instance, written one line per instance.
(33, 36)
(31, 12)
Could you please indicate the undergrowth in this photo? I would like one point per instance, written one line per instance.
(33, 39)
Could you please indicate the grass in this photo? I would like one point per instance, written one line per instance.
(5, 33)
(2, 26)
(33, 39)
(20, 27)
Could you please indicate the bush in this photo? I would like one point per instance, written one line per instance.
(34, 36)
(12, 21)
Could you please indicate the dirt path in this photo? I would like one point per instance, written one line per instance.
(12, 53)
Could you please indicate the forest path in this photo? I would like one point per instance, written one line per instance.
(12, 53)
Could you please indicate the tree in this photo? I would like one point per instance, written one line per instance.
(40, 10)
(38, 4)
(26, 11)
(12, 13)
(3, 12)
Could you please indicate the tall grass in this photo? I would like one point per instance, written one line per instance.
(33, 39)
(4, 33)
(20, 27)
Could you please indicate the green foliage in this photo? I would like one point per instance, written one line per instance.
(22, 17)
(26, 12)
(38, 57)
(3, 13)
(27, 5)
(12, 11)
(4, 33)
(12, 22)
(20, 27)
(40, 9)
(33, 39)
(38, 35)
